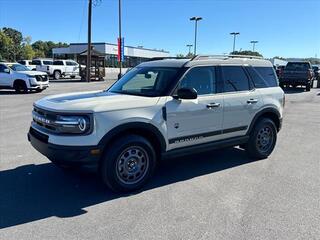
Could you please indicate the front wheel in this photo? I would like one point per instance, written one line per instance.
(56, 75)
(20, 87)
(262, 139)
(128, 163)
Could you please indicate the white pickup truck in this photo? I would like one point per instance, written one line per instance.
(61, 68)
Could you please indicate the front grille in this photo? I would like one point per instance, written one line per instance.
(42, 78)
(44, 119)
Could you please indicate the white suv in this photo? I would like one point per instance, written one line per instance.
(19, 77)
(162, 109)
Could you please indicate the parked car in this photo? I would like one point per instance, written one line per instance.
(28, 64)
(162, 109)
(316, 70)
(19, 77)
(61, 68)
(297, 73)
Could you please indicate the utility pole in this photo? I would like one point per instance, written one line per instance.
(253, 44)
(88, 73)
(189, 46)
(195, 19)
(234, 40)
(120, 40)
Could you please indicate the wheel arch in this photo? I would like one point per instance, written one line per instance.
(146, 130)
(270, 113)
(18, 80)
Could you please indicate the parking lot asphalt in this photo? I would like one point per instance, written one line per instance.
(214, 195)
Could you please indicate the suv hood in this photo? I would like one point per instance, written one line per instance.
(98, 101)
(32, 73)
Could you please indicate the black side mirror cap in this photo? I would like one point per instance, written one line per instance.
(186, 93)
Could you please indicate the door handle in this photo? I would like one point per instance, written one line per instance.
(252, 101)
(213, 105)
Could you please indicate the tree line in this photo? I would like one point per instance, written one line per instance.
(14, 46)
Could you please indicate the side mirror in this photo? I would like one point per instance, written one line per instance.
(186, 93)
(6, 70)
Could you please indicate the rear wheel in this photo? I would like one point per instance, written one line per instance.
(128, 163)
(56, 75)
(73, 76)
(262, 139)
(308, 87)
(20, 87)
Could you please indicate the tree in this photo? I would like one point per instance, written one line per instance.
(16, 38)
(6, 47)
(246, 52)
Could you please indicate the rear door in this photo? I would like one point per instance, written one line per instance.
(241, 101)
(196, 121)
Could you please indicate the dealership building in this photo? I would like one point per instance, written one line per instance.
(132, 55)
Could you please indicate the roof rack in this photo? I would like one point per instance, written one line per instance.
(163, 58)
(202, 57)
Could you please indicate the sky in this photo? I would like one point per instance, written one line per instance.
(287, 28)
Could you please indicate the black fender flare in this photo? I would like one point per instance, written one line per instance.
(141, 126)
(268, 110)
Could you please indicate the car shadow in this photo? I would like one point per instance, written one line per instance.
(13, 92)
(34, 192)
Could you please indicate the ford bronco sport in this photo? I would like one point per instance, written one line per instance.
(162, 109)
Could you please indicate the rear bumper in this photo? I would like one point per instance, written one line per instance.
(67, 155)
(298, 81)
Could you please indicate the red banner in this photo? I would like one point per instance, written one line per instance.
(119, 49)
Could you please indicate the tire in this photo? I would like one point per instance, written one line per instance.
(262, 140)
(73, 77)
(308, 86)
(128, 163)
(39, 90)
(56, 75)
(20, 87)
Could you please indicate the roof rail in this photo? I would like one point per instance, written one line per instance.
(163, 58)
(202, 57)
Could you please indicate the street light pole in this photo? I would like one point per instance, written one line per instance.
(196, 19)
(89, 42)
(120, 45)
(189, 46)
(253, 44)
(234, 40)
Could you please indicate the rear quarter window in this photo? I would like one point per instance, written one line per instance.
(263, 77)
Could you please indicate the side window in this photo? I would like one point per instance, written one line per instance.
(35, 62)
(22, 62)
(2, 68)
(69, 63)
(267, 75)
(58, 63)
(202, 79)
(235, 79)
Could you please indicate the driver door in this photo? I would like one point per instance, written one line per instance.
(196, 121)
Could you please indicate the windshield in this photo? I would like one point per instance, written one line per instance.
(146, 81)
(18, 67)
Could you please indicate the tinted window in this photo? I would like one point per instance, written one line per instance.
(69, 63)
(2, 68)
(202, 79)
(58, 63)
(298, 66)
(22, 62)
(47, 62)
(235, 79)
(35, 62)
(263, 77)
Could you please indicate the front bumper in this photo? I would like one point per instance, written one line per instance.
(66, 155)
(39, 86)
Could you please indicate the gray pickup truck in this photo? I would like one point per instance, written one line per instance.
(297, 73)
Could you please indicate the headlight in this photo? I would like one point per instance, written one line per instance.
(73, 124)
